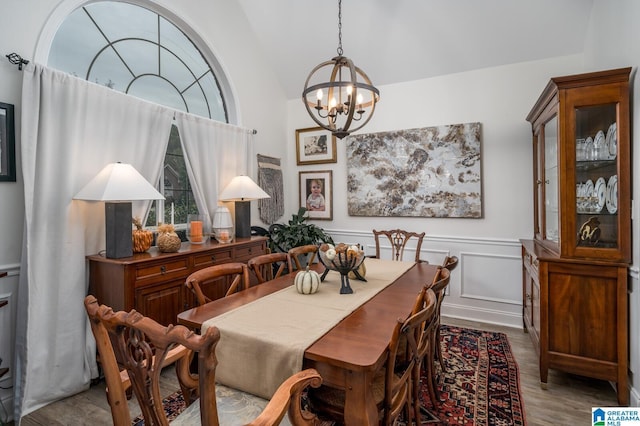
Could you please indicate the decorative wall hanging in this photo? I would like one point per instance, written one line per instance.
(270, 179)
(316, 194)
(426, 172)
(315, 145)
(7, 144)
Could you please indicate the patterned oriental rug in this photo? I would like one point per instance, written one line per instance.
(481, 384)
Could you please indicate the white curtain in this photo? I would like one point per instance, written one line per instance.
(214, 153)
(70, 130)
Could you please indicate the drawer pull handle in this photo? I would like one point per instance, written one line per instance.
(213, 258)
(163, 269)
(250, 250)
(535, 263)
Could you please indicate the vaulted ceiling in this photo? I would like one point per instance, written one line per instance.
(402, 40)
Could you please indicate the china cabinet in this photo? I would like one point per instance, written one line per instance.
(153, 282)
(575, 267)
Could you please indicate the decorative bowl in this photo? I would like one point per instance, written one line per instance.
(343, 258)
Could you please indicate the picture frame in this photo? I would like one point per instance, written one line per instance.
(319, 206)
(7, 143)
(315, 145)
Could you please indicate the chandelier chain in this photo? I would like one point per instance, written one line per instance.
(339, 27)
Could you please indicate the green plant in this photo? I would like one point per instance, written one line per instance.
(297, 232)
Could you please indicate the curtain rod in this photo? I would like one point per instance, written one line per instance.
(16, 59)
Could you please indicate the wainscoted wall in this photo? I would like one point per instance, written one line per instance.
(9, 293)
(486, 286)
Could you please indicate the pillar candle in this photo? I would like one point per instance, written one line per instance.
(196, 231)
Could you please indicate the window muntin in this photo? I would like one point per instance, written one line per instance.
(136, 51)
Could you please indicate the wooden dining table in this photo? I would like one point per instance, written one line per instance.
(350, 354)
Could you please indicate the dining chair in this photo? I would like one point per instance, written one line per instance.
(269, 266)
(439, 286)
(143, 344)
(214, 279)
(392, 386)
(450, 263)
(398, 239)
(295, 254)
(424, 351)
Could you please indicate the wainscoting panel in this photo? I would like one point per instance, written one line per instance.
(9, 293)
(486, 286)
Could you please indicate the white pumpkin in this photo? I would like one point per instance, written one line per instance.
(307, 281)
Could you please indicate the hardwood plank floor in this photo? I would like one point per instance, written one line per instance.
(567, 400)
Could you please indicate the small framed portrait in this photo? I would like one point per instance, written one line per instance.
(316, 194)
(315, 145)
(7, 144)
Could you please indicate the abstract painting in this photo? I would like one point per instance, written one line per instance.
(425, 172)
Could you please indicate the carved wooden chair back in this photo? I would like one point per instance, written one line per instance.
(142, 346)
(263, 266)
(295, 254)
(398, 239)
(216, 276)
(439, 286)
(450, 262)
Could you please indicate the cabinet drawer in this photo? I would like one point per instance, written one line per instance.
(531, 263)
(212, 258)
(168, 269)
(243, 254)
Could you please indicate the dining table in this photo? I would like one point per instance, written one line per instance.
(269, 331)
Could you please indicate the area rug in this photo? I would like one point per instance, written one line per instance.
(480, 386)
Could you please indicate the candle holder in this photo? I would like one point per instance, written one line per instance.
(198, 229)
(222, 225)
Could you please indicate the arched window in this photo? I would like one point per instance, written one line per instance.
(139, 52)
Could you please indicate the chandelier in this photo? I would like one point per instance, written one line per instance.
(350, 97)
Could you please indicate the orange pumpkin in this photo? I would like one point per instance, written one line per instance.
(140, 238)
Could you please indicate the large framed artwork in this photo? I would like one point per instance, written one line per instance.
(425, 172)
(7, 144)
(315, 145)
(316, 194)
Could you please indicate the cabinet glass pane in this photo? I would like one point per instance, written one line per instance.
(596, 176)
(551, 179)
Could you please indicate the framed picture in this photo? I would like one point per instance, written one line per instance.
(315, 145)
(7, 144)
(316, 194)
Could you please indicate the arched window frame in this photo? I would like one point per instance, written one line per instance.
(66, 7)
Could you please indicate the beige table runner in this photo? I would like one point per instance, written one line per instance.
(263, 342)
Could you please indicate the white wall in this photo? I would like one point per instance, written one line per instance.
(613, 41)
(488, 284)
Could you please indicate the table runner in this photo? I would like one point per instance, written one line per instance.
(262, 343)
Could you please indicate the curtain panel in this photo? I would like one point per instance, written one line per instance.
(214, 153)
(71, 129)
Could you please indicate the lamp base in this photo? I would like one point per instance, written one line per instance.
(243, 219)
(118, 230)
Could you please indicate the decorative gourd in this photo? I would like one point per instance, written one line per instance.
(168, 241)
(307, 281)
(140, 238)
(362, 270)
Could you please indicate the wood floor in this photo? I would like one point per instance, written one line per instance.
(567, 400)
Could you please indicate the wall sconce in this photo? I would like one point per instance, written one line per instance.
(242, 190)
(118, 184)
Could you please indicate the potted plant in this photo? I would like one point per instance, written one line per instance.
(297, 232)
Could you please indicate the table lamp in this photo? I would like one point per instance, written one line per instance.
(242, 190)
(118, 184)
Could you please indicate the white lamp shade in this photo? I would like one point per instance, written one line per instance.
(242, 188)
(118, 182)
(222, 218)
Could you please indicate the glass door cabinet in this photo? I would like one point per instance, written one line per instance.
(575, 267)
